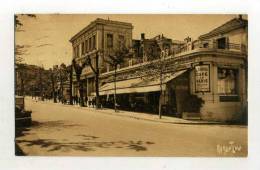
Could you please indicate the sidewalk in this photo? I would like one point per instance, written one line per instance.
(151, 117)
(139, 115)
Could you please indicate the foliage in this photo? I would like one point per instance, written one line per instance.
(30, 79)
(17, 21)
(78, 68)
(193, 104)
(20, 50)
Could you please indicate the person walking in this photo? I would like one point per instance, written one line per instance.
(76, 99)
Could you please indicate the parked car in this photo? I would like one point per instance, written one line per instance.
(22, 117)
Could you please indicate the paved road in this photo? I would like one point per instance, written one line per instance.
(69, 130)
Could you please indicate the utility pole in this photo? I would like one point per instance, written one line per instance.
(70, 75)
(40, 83)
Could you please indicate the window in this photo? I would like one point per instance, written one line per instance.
(121, 41)
(227, 81)
(94, 42)
(206, 45)
(89, 44)
(109, 40)
(82, 48)
(221, 42)
(77, 51)
(86, 46)
(74, 52)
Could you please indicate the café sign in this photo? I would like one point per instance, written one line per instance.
(202, 78)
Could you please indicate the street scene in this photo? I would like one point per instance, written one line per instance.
(59, 130)
(121, 85)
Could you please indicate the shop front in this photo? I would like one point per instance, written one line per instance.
(144, 95)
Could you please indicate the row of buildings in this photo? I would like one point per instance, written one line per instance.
(206, 76)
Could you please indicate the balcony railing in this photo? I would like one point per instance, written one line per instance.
(211, 45)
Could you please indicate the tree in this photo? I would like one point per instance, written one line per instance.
(116, 58)
(69, 70)
(20, 49)
(154, 70)
(78, 70)
(22, 75)
(53, 76)
(63, 76)
(95, 70)
(24, 79)
(41, 82)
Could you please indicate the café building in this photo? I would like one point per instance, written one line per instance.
(205, 78)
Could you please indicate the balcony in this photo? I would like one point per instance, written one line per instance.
(210, 45)
(183, 53)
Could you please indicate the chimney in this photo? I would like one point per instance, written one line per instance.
(142, 36)
(240, 17)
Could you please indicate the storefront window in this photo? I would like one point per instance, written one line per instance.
(227, 81)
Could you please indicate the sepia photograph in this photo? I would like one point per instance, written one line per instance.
(131, 85)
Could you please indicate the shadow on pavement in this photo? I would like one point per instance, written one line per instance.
(53, 124)
(87, 145)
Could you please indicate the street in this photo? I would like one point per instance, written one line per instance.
(64, 130)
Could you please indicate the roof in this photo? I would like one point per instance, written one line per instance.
(226, 27)
(161, 37)
(99, 21)
(178, 42)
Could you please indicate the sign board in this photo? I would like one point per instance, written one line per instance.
(202, 78)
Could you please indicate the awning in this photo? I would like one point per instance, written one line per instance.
(138, 85)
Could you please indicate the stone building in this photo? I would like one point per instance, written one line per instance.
(102, 37)
(206, 77)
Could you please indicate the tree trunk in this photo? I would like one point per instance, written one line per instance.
(81, 93)
(160, 98)
(53, 88)
(98, 105)
(41, 84)
(61, 88)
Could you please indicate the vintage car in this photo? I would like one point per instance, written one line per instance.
(22, 117)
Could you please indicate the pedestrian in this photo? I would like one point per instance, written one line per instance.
(76, 99)
(94, 102)
(86, 100)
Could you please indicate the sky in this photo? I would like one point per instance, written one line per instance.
(47, 36)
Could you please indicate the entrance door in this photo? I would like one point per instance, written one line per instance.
(172, 101)
(153, 102)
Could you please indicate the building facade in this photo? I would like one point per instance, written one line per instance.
(207, 76)
(103, 37)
